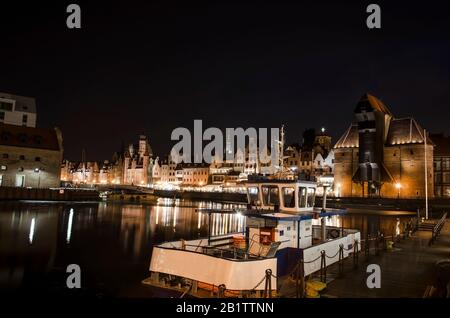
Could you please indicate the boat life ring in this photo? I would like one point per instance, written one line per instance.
(334, 233)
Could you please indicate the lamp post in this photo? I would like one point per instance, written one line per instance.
(38, 171)
(338, 190)
(426, 173)
(398, 186)
(325, 181)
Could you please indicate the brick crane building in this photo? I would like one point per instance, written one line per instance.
(382, 156)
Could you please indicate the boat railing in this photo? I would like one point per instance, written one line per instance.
(437, 228)
(225, 247)
(212, 266)
(330, 251)
(332, 232)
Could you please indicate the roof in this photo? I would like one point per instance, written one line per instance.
(252, 179)
(29, 137)
(283, 216)
(23, 103)
(369, 103)
(400, 131)
(317, 212)
(350, 139)
(193, 165)
(405, 131)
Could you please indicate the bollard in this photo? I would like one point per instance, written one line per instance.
(297, 281)
(355, 254)
(377, 245)
(341, 260)
(221, 291)
(367, 247)
(300, 280)
(268, 286)
(323, 267)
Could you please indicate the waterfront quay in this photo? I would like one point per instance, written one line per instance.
(408, 269)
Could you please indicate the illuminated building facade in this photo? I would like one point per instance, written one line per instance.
(441, 165)
(382, 156)
(195, 174)
(30, 157)
(137, 162)
(133, 166)
(313, 159)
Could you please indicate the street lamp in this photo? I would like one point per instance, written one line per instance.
(398, 186)
(325, 181)
(338, 190)
(38, 171)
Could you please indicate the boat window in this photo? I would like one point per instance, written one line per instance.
(302, 197)
(288, 197)
(311, 197)
(252, 195)
(270, 195)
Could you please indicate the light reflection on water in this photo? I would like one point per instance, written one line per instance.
(111, 242)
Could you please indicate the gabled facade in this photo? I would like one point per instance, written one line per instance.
(136, 163)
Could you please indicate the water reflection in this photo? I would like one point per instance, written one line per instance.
(111, 242)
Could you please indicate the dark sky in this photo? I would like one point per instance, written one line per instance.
(149, 67)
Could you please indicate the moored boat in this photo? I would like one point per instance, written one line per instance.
(130, 197)
(283, 230)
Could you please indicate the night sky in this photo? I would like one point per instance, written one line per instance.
(149, 67)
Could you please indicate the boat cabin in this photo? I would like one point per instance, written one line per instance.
(285, 195)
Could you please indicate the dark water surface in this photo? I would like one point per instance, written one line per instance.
(111, 242)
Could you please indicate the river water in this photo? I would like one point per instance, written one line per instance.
(111, 242)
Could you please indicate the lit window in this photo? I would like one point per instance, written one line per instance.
(311, 197)
(270, 195)
(302, 197)
(288, 197)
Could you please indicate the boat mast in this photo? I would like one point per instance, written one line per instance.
(281, 150)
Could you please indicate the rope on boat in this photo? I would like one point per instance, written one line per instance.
(308, 262)
(257, 285)
(298, 268)
(186, 291)
(333, 255)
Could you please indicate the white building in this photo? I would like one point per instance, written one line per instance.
(136, 162)
(17, 110)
